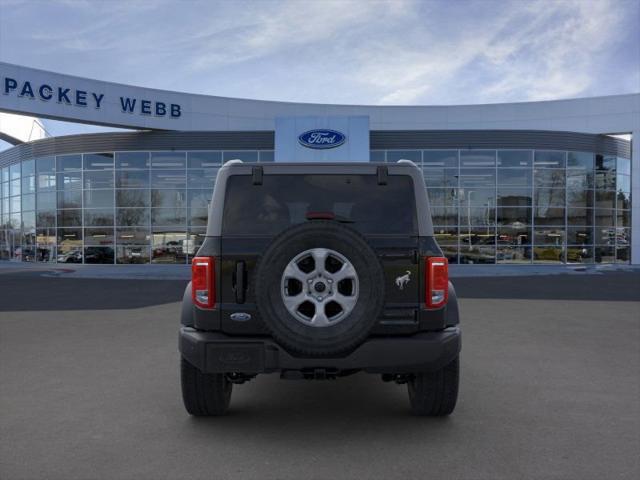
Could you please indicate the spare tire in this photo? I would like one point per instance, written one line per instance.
(319, 288)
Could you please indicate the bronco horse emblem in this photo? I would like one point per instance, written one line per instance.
(402, 280)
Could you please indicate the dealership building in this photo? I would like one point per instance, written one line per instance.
(516, 183)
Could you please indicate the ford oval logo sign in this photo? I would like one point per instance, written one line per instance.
(322, 138)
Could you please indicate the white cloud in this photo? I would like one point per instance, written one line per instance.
(404, 95)
(385, 52)
(531, 52)
(552, 55)
(288, 26)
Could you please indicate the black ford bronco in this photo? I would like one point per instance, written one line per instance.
(319, 271)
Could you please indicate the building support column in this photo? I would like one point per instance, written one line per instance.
(635, 197)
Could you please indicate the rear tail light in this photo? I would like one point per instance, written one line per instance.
(203, 287)
(436, 282)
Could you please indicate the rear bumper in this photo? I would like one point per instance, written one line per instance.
(213, 352)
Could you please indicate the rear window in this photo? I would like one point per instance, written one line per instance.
(285, 200)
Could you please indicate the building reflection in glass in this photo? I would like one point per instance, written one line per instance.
(488, 206)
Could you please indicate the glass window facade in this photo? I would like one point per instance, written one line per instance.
(526, 206)
(488, 206)
(110, 207)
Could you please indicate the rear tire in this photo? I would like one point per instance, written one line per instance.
(434, 394)
(204, 394)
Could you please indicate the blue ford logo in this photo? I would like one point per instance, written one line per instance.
(322, 138)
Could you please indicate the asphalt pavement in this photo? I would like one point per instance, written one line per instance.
(89, 389)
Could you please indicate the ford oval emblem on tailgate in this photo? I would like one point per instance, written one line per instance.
(322, 138)
(240, 316)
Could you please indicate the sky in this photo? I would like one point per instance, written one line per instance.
(387, 52)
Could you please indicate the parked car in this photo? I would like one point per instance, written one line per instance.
(98, 255)
(72, 256)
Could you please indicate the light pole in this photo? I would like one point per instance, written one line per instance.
(487, 214)
(469, 218)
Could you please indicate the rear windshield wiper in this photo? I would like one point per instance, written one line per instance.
(327, 216)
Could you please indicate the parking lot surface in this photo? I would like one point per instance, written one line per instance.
(89, 389)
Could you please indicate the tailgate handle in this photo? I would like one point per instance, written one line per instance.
(240, 284)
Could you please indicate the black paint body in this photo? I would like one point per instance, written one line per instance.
(407, 336)
(404, 310)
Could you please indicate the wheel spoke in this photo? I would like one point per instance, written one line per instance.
(347, 302)
(320, 318)
(293, 302)
(346, 271)
(319, 257)
(293, 271)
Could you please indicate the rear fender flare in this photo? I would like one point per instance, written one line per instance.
(452, 313)
(187, 312)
